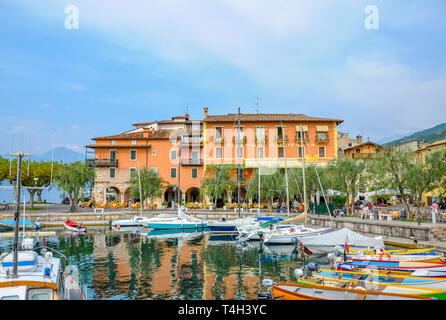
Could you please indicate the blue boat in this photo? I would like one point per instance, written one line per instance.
(8, 225)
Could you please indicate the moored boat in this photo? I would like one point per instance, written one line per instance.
(296, 291)
(74, 226)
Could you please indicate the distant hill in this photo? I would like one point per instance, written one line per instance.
(60, 154)
(428, 136)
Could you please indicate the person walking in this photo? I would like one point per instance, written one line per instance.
(434, 212)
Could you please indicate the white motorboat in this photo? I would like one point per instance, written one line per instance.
(230, 226)
(134, 222)
(289, 235)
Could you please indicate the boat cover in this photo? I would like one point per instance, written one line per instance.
(339, 237)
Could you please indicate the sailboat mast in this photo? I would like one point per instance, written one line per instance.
(15, 245)
(238, 156)
(303, 173)
(286, 172)
(258, 210)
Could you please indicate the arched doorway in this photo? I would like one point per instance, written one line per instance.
(193, 195)
(171, 194)
(113, 194)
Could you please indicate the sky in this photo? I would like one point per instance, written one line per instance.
(134, 61)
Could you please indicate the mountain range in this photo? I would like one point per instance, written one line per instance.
(60, 154)
(427, 136)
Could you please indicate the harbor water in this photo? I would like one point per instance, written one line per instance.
(138, 264)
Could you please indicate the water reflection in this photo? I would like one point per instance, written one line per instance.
(136, 264)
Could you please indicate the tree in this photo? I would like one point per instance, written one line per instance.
(218, 183)
(437, 164)
(72, 178)
(272, 185)
(346, 175)
(151, 185)
(392, 167)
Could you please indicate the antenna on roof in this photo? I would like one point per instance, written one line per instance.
(257, 104)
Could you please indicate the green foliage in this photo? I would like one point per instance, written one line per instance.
(218, 182)
(72, 178)
(151, 185)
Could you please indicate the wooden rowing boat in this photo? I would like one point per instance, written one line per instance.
(296, 291)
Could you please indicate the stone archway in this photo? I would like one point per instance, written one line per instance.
(193, 195)
(127, 195)
(171, 194)
(113, 194)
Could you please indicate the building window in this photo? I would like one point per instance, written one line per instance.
(173, 155)
(302, 135)
(133, 141)
(280, 133)
(112, 172)
(153, 152)
(301, 152)
(321, 152)
(194, 173)
(239, 135)
(358, 150)
(260, 152)
(173, 141)
(349, 144)
(173, 172)
(260, 134)
(239, 152)
(132, 155)
(194, 155)
(321, 136)
(218, 153)
(132, 172)
(281, 152)
(112, 154)
(113, 142)
(218, 133)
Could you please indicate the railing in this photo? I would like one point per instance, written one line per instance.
(191, 162)
(189, 141)
(321, 138)
(102, 162)
(363, 155)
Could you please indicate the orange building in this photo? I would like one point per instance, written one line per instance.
(173, 148)
(268, 141)
(182, 149)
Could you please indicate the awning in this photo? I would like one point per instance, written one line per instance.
(321, 128)
(301, 128)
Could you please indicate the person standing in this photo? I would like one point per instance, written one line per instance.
(434, 212)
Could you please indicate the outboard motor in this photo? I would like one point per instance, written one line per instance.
(310, 268)
(266, 295)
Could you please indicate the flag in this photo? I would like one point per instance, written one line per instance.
(346, 246)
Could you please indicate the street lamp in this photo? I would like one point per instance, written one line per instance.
(35, 181)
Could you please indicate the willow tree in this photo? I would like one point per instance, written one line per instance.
(146, 184)
(74, 177)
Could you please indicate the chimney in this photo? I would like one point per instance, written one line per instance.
(358, 139)
(145, 133)
(187, 116)
(205, 112)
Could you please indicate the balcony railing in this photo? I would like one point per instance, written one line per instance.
(192, 141)
(191, 162)
(363, 155)
(321, 138)
(102, 162)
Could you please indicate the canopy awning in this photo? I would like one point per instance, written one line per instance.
(321, 128)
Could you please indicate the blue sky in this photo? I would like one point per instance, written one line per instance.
(133, 61)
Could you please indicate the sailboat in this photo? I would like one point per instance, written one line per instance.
(26, 275)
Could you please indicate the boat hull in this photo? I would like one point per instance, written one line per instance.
(168, 226)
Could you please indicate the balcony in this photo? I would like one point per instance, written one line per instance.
(260, 140)
(363, 155)
(282, 139)
(237, 141)
(187, 141)
(322, 137)
(191, 162)
(101, 162)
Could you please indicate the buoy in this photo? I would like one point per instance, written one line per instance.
(118, 227)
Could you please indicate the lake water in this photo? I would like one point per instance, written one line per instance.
(136, 264)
